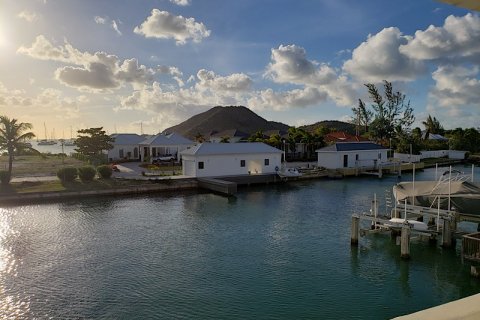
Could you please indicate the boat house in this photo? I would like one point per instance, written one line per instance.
(367, 155)
(125, 147)
(229, 159)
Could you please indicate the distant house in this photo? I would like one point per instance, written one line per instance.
(227, 159)
(352, 155)
(340, 136)
(433, 136)
(161, 145)
(233, 136)
(125, 147)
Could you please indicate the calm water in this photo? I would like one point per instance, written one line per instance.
(275, 252)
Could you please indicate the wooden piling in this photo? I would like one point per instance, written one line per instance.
(405, 242)
(446, 234)
(355, 230)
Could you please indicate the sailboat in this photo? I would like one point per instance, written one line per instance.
(46, 142)
(70, 142)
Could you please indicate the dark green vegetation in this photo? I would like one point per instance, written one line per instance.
(87, 173)
(92, 142)
(13, 137)
(104, 171)
(67, 174)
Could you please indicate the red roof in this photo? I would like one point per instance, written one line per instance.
(340, 136)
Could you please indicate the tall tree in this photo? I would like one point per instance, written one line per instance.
(93, 141)
(13, 139)
(390, 112)
(362, 116)
(432, 125)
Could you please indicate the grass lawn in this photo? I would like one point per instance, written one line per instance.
(53, 186)
(35, 166)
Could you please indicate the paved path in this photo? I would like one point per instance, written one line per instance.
(35, 179)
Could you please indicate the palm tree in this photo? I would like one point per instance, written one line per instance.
(432, 125)
(13, 138)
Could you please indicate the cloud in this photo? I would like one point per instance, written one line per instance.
(91, 72)
(280, 101)
(459, 37)
(112, 23)
(181, 2)
(456, 86)
(379, 58)
(290, 65)
(237, 82)
(164, 25)
(456, 95)
(28, 16)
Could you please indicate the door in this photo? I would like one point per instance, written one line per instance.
(345, 160)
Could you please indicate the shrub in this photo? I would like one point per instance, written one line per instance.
(4, 177)
(67, 174)
(105, 171)
(87, 173)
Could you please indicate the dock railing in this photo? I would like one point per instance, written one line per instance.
(471, 247)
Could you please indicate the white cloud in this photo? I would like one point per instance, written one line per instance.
(459, 37)
(92, 72)
(164, 25)
(456, 86)
(181, 2)
(455, 98)
(28, 16)
(112, 23)
(290, 65)
(237, 82)
(280, 101)
(379, 58)
(100, 20)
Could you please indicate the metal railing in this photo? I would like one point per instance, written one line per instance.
(471, 247)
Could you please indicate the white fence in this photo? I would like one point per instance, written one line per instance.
(451, 154)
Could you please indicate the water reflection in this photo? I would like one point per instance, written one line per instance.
(12, 306)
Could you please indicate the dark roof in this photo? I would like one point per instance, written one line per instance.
(352, 146)
(230, 133)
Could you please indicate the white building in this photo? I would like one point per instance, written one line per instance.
(125, 147)
(164, 144)
(352, 155)
(227, 159)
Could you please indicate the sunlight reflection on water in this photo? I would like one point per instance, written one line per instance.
(11, 306)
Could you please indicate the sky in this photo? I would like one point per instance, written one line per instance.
(143, 66)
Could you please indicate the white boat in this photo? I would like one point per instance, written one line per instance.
(452, 190)
(46, 142)
(288, 173)
(414, 224)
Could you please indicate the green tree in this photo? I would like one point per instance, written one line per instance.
(362, 116)
(92, 142)
(257, 137)
(225, 139)
(432, 125)
(390, 112)
(13, 139)
(199, 138)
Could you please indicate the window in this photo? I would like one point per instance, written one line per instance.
(135, 153)
(200, 165)
(356, 157)
(242, 163)
(120, 153)
(379, 156)
(267, 162)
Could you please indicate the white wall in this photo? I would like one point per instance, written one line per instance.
(451, 154)
(227, 165)
(366, 159)
(114, 153)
